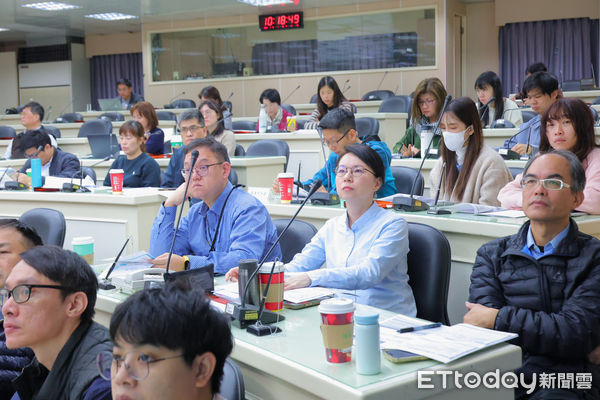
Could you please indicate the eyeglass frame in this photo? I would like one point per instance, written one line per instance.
(428, 102)
(537, 181)
(36, 154)
(326, 143)
(10, 292)
(352, 171)
(184, 172)
(127, 366)
(189, 128)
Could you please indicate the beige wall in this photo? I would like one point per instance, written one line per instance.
(247, 90)
(8, 80)
(482, 43)
(453, 43)
(540, 10)
(118, 43)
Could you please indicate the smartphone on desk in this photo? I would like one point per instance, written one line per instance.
(304, 304)
(401, 356)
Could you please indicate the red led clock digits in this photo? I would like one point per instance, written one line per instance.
(280, 21)
(269, 23)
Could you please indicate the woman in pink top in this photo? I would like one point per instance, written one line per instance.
(568, 124)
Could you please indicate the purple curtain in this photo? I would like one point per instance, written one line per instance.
(568, 47)
(107, 70)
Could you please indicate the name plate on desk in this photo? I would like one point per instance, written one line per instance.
(260, 193)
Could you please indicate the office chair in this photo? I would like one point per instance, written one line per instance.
(596, 100)
(404, 178)
(69, 118)
(429, 271)
(49, 224)
(396, 104)
(265, 147)
(239, 151)
(527, 115)
(514, 171)
(377, 95)
(95, 127)
(367, 126)
(569, 86)
(112, 116)
(313, 99)
(297, 236)
(182, 103)
(233, 177)
(166, 116)
(232, 383)
(54, 131)
(7, 132)
(289, 108)
(501, 124)
(89, 171)
(243, 126)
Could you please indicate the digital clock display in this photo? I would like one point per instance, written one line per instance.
(279, 22)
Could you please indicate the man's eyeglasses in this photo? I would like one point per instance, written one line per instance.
(355, 172)
(35, 154)
(326, 143)
(428, 102)
(550, 183)
(190, 129)
(22, 293)
(200, 170)
(136, 363)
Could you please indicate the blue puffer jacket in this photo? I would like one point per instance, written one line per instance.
(552, 303)
(12, 361)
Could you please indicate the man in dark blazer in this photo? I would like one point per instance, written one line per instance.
(55, 162)
(126, 95)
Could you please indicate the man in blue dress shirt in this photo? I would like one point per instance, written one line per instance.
(226, 226)
(541, 90)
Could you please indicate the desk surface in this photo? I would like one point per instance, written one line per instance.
(292, 364)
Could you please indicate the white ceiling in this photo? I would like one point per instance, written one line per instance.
(30, 25)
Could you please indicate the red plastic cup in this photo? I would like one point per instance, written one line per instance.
(116, 180)
(286, 186)
(274, 300)
(337, 326)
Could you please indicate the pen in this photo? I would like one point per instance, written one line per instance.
(419, 328)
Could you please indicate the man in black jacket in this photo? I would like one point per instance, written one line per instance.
(55, 162)
(544, 284)
(15, 238)
(48, 303)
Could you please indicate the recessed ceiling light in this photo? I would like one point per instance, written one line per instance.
(51, 6)
(265, 3)
(114, 16)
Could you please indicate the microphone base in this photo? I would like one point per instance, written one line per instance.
(262, 330)
(324, 199)
(14, 185)
(105, 284)
(508, 154)
(74, 188)
(409, 204)
(439, 211)
(248, 315)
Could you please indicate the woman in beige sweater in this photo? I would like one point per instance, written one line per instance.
(474, 172)
(214, 122)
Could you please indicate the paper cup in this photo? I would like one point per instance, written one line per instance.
(291, 124)
(274, 300)
(337, 326)
(176, 142)
(286, 186)
(116, 180)
(426, 138)
(84, 246)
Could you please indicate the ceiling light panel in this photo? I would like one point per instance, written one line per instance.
(113, 16)
(265, 3)
(51, 6)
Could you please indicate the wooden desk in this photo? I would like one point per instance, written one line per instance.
(361, 107)
(71, 130)
(110, 219)
(88, 115)
(292, 365)
(497, 137)
(586, 95)
(466, 234)
(252, 171)
(77, 146)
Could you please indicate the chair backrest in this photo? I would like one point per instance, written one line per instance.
(266, 147)
(69, 118)
(367, 126)
(89, 171)
(52, 130)
(233, 177)
(167, 147)
(377, 95)
(232, 384)
(243, 126)
(289, 108)
(95, 127)
(49, 224)
(396, 104)
(404, 178)
(596, 100)
(568, 86)
(7, 131)
(239, 151)
(313, 99)
(184, 103)
(112, 116)
(429, 271)
(166, 116)
(527, 115)
(296, 237)
(514, 171)
(594, 113)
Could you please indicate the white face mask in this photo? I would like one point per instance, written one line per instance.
(454, 141)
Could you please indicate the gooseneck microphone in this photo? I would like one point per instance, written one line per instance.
(105, 283)
(73, 187)
(410, 203)
(195, 155)
(486, 109)
(246, 314)
(437, 210)
(291, 93)
(381, 81)
(170, 103)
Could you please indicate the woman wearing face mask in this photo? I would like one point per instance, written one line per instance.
(475, 173)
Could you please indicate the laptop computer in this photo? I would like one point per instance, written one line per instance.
(113, 104)
(104, 145)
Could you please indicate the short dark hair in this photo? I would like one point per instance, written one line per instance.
(338, 96)
(36, 108)
(218, 149)
(369, 156)
(67, 269)
(30, 235)
(135, 128)
(490, 78)
(190, 114)
(124, 81)
(340, 119)
(35, 139)
(577, 171)
(540, 80)
(270, 94)
(176, 318)
(211, 92)
(582, 119)
(220, 127)
(536, 67)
